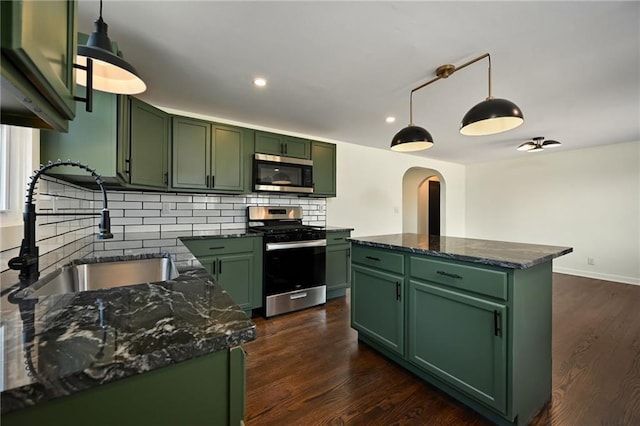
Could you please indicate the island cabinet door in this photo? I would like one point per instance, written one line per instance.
(461, 340)
(377, 306)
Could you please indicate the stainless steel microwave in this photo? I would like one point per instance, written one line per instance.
(273, 173)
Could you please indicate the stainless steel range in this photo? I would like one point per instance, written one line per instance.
(294, 259)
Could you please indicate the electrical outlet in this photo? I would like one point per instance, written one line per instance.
(590, 261)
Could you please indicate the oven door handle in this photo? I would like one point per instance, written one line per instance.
(295, 245)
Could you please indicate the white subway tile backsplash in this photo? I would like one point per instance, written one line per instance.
(159, 220)
(134, 196)
(138, 217)
(167, 228)
(176, 198)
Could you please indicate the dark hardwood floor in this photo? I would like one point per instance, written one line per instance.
(308, 368)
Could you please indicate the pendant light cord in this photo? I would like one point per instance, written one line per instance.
(100, 9)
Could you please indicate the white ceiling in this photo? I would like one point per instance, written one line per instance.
(335, 70)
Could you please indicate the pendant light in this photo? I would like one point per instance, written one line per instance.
(411, 138)
(111, 73)
(490, 116)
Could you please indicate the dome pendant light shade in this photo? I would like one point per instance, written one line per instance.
(491, 116)
(111, 73)
(411, 138)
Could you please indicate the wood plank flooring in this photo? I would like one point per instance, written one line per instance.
(307, 368)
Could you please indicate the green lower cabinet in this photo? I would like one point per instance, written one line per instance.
(338, 269)
(461, 339)
(235, 264)
(205, 390)
(234, 272)
(377, 306)
(480, 333)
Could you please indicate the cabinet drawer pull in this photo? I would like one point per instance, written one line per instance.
(397, 290)
(449, 274)
(338, 238)
(497, 323)
(372, 258)
(216, 247)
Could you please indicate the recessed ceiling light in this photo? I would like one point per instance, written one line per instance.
(390, 119)
(260, 82)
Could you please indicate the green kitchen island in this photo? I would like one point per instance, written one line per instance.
(472, 317)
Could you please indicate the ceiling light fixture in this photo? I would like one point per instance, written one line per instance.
(491, 116)
(260, 82)
(537, 144)
(111, 73)
(390, 119)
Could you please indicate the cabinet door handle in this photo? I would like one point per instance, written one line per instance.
(214, 267)
(166, 178)
(285, 148)
(213, 181)
(219, 267)
(372, 258)
(449, 274)
(128, 170)
(349, 252)
(206, 181)
(338, 238)
(281, 148)
(497, 323)
(397, 290)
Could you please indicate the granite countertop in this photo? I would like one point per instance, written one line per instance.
(487, 252)
(66, 347)
(337, 229)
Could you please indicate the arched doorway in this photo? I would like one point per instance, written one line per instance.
(423, 207)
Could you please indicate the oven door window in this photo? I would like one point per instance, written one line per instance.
(294, 269)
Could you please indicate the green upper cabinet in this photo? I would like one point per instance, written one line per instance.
(92, 139)
(208, 156)
(38, 49)
(324, 169)
(191, 153)
(148, 145)
(287, 146)
(227, 165)
(124, 139)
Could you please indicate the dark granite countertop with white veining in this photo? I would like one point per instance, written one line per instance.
(144, 327)
(487, 252)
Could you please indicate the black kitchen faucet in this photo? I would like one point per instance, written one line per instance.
(27, 261)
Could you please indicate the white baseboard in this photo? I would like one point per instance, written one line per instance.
(598, 276)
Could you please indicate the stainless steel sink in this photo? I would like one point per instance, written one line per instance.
(94, 276)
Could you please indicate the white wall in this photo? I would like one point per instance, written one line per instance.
(370, 190)
(587, 199)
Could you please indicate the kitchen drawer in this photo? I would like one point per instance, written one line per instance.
(214, 246)
(465, 277)
(337, 238)
(385, 260)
